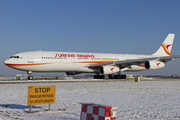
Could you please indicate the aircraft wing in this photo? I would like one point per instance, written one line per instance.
(168, 58)
(129, 62)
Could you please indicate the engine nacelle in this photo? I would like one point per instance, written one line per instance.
(109, 69)
(153, 64)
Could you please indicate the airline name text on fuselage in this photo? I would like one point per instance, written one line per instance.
(75, 55)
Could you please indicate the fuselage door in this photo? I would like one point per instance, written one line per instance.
(30, 58)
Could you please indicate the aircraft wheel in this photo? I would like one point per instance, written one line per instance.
(99, 76)
(117, 76)
(123, 76)
(95, 76)
(110, 76)
(30, 77)
(102, 76)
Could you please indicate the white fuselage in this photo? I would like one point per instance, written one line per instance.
(45, 61)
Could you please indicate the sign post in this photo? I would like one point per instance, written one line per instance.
(41, 95)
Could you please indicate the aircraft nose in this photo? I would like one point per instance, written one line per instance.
(7, 62)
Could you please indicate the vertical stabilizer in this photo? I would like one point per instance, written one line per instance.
(166, 46)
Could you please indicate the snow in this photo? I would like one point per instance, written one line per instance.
(143, 100)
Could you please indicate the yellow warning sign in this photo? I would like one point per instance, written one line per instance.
(41, 95)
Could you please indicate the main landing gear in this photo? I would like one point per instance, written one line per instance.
(30, 77)
(99, 76)
(119, 76)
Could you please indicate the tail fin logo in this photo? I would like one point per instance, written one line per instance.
(166, 48)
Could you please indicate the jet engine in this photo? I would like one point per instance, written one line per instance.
(153, 64)
(109, 69)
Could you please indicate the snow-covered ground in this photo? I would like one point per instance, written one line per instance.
(144, 100)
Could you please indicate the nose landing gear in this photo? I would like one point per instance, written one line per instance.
(30, 77)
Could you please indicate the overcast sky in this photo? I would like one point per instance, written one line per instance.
(104, 26)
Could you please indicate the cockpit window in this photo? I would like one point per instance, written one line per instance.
(14, 57)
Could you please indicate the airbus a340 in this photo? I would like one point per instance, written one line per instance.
(99, 63)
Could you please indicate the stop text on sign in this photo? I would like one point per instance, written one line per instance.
(42, 90)
(41, 95)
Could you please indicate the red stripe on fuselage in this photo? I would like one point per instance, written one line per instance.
(22, 65)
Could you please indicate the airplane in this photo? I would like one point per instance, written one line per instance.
(99, 63)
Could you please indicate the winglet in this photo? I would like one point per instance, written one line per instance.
(166, 46)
